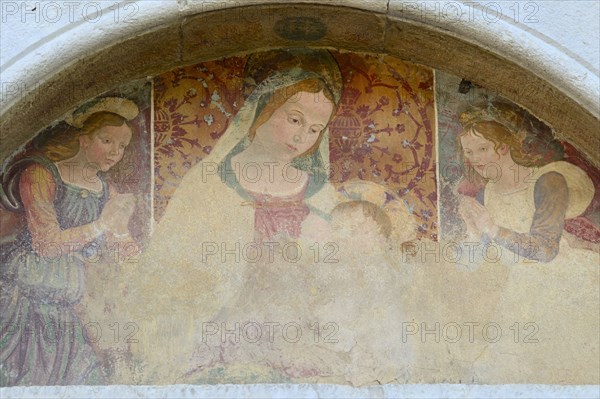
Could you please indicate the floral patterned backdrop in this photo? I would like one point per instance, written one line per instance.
(383, 130)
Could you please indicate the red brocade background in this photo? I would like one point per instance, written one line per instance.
(383, 130)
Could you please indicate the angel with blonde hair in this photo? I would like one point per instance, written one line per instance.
(538, 275)
(71, 214)
(525, 202)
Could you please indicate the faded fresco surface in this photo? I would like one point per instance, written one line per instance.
(278, 222)
(303, 149)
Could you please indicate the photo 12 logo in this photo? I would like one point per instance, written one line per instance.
(471, 331)
(68, 11)
(466, 12)
(269, 252)
(54, 331)
(269, 331)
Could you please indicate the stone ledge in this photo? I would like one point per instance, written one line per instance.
(309, 390)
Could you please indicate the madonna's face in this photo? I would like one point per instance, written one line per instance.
(295, 126)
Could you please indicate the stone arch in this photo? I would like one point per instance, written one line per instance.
(561, 93)
(188, 33)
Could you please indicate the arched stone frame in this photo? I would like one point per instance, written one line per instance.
(179, 42)
(182, 35)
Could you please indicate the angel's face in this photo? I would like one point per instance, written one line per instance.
(105, 147)
(480, 153)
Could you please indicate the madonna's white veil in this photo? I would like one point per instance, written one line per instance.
(283, 68)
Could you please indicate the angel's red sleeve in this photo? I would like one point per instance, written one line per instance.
(38, 188)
